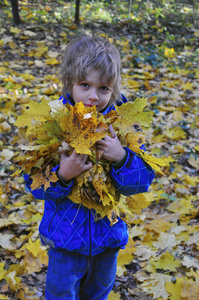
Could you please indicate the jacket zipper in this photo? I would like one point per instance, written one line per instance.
(90, 231)
(53, 216)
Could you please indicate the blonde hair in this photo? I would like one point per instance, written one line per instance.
(86, 53)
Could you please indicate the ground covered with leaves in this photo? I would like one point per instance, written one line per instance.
(160, 57)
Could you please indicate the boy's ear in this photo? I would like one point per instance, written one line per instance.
(66, 83)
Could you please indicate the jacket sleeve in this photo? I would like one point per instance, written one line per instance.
(54, 192)
(134, 177)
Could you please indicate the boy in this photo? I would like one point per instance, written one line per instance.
(83, 252)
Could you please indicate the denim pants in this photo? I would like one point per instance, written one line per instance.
(73, 276)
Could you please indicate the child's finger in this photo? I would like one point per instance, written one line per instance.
(84, 158)
(100, 147)
(88, 166)
(63, 154)
(74, 153)
(101, 142)
(113, 134)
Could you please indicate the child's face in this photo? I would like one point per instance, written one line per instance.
(91, 91)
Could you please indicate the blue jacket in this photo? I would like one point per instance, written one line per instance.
(72, 227)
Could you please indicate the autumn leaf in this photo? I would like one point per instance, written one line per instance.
(42, 179)
(33, 113)
(169, 52)
(114, 296)
(126, 256)
(158, 226)
(34, 247)
(155, 163)
(3, 297)
(2, 271)
(5, 241)
(194, 162)
(165, 241)
(156, 286)
(130, 114)
(174, 289)
(166, 262)
(13, 280)
(137, 203)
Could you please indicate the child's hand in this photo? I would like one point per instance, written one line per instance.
(111, 147)
(72, 166)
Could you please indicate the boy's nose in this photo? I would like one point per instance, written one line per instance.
(93, 95)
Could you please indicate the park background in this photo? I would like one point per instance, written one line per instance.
(159, 45)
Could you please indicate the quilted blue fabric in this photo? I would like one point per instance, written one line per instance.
(72, 226)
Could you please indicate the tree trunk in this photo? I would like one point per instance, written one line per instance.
(15, 12)
(77, 22)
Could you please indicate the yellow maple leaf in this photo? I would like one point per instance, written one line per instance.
(40, 50)
(131, 113)
(158, 226)
(126, 255)
(33, 247)
(27, 76)
(114, 296)
(187, 86)
(83, 142)
(33, 111)
(169, 52)
(33, 218)
(176, 133)
(148, 239)
(166, 261)
(183, 206)
(81, 130)
(38, 180)
(2, 297)
(137, 203)
(132, 84)
(154, 162)
(197, 148)
(174, 289)
(15, 30)
(52, 61)
(2, 271)
(134, 141)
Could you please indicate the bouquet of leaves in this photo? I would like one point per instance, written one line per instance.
(47, 129)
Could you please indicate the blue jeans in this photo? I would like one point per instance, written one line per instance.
(73, 276)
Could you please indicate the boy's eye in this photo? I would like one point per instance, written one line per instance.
(104, 88)
(84, 84)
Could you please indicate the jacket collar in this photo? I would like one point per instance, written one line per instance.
(104, 111)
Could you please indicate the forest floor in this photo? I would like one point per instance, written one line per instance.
(160, 59)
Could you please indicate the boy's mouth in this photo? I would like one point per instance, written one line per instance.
(88, 105)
